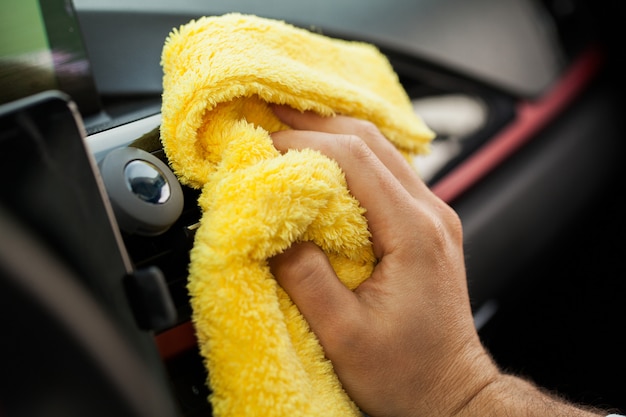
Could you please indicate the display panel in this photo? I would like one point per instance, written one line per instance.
(50, 183)
(41, 48)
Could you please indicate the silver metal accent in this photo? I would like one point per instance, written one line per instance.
(147, 182)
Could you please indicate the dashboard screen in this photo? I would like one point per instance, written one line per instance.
(41, 48)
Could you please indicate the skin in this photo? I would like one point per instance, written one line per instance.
(403, 343)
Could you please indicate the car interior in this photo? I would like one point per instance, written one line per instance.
(525, 97)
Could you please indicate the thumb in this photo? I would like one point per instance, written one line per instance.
(307, 276)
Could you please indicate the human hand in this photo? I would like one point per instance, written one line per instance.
(403, 343)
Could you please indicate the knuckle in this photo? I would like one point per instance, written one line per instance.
(367, 129)
(451, 222)
(307, 265)
(357, 147)
(455, 227)
(441, 228)
(300, 263)
(438, 238)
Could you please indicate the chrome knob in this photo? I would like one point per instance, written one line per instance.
(146, 196)
(147, 182)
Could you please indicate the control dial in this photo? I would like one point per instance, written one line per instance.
(146, 196)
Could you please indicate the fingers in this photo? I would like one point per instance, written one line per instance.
(382, 148)
(305, 273)
(386, 198)
(369, 181)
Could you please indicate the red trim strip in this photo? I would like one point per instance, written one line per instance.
(531, 118)
(176, 340)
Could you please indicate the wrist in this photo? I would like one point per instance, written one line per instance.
(513, 396)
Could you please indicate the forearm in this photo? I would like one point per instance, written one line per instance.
(515, 397)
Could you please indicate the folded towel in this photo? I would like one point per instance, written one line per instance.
(220, 73)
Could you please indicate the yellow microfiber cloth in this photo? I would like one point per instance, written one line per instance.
(220, 74)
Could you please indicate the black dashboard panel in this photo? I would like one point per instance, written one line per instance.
(512, 215)
(124, 37)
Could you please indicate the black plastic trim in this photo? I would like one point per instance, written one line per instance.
(514, 213)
